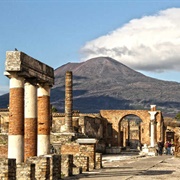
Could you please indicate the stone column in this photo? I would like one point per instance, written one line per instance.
(152, 120)
(68, 102)
(16, 118)
(43, 119)
(30, 121)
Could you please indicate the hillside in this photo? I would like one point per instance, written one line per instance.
(104, 83)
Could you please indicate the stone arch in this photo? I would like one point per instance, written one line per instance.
(130, 131)
(114, 116)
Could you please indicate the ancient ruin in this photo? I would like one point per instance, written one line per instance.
(35, 143)
(26, 76)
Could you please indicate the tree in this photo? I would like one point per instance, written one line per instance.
(53, 109)
(177, 117)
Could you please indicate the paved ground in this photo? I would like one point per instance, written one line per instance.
(118, 167)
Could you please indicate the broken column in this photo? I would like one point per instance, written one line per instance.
(68, 102)
(152, 120)
(30, 121)
(43, 119)
(16, 117)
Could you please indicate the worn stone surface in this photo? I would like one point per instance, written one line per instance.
(4, 120)
(7, 169)
(28, 67)
(68, 103)
(30, 138)
(43, 115)
(81, 161)
(66, 165)
(115, 117)
(98, 160)
(25, 171)
(47, 167)
(80, 150)
(16, 115)
(3, 145)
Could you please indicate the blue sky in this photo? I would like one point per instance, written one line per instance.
(57, 32)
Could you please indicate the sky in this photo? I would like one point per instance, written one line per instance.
(142, 34)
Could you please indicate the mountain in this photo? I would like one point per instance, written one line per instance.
(104, 83)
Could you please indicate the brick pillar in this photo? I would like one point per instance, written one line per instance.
(43, 119)
(68, 102)
(30, 121)
(16, 119)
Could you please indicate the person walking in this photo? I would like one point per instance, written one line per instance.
(160, 147)
(168, 148)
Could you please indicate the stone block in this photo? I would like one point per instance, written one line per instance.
(28, 67)
(66, 165)
(98, 160)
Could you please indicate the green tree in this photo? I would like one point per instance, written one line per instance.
(177, 117)
(54, 109)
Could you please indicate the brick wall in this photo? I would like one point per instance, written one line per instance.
(81, 150)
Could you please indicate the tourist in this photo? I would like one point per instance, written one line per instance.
(168, 148)
(160, 147)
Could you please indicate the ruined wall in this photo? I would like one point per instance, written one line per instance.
(4, 124)
(58, 120)
(176, 142)
(3, 145)
(114, 117)
(81, 150)
(4, 120)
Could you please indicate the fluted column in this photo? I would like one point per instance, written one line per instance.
(43, 119)
(152, 120)
(16, 118)
(68, 102)
(30, 121)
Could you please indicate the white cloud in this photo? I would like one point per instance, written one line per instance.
(151, 43)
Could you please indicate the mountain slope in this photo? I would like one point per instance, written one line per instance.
(104, 83)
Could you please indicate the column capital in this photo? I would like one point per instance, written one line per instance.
(152, 114)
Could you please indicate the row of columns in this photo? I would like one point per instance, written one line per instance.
(29, 121)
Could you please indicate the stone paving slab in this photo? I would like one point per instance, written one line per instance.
(135, 168)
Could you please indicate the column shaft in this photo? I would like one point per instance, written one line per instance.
(68, 102)
(16, 119)
(152, 133)
(152, 120)
(43, 120)
(30, 124)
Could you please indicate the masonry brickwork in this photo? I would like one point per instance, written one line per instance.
(75, 137)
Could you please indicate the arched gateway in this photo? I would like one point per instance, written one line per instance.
(151, 128)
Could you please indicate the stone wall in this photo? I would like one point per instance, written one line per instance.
(81, 161)
(176, 130)
(7, 169)
(46, 167)
(3, 145)
(25, 171)
(66, 165)
(4, 120)
(43, 167)
(81, 150)
(114, 117)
